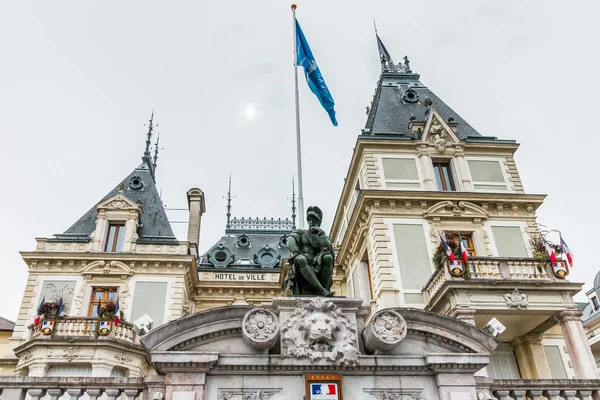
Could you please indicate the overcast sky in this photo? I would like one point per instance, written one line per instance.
(78, 80)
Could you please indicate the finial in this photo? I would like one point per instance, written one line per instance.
(407, 65)
(293, 204)
(293, 6)
(147, 155)
(156, 151)
(229, 204)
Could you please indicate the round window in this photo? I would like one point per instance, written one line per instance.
(243, 240)
(266, 259)
(220, 256)
(136, 182)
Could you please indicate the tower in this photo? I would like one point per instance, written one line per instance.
(420, 174)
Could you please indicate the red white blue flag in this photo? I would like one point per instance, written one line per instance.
(117, 313)
(447, 249)
(323, 391)
(463, 251)
(550, 251)
(568, 253)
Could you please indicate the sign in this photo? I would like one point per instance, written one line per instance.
(241, 277)
(47, 326)
(560, 269)
(104, 327)
(324, 387)
(456, 268)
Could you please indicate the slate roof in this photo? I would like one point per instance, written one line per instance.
(389, 114)
(154, 225)
(6, 325)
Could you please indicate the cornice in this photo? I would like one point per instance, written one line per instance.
(123, 257)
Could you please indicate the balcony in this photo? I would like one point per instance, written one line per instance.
(550, 389)
(82, 328)
(497, 288)
(75, 387)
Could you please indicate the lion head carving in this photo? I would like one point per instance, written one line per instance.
(320, 331)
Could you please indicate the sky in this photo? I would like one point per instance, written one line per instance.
(78, 81)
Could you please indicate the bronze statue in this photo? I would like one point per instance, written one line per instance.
(311, 261)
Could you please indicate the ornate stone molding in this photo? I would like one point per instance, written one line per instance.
(104, 268)
(123, 357)
(385, 331)
(249, 394)
(461, 209)
(72, 352)
(318, 330)
(118, 202)
(395, 394)
(260, 328)
(516, 299)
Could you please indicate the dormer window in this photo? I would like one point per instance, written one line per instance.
(114, 238)
(595, 303)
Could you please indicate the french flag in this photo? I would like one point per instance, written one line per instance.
(117, 313)
(567, 251)
(447, 249)
(550, 251)
(36, 320)
(463, 251)
(324, 389)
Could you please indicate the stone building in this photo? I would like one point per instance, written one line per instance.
(419, 171)
(6, 329)
(591, 318)
(403, 328)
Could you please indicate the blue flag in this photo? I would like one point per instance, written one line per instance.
(315, 80)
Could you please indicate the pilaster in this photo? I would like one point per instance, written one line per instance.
(579, 351)
(531, 357)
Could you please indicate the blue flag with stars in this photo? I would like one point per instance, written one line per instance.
(315, 80)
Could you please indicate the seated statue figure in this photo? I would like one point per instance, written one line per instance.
(311, 261)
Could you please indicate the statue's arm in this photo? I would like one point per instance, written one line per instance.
(292, 244)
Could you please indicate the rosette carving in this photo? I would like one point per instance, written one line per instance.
(260, 328)
(385, 332)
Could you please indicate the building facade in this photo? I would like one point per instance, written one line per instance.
(420, 172)
(117, 307)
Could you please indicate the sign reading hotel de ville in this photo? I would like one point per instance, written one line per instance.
(324, 387)
(240, 277)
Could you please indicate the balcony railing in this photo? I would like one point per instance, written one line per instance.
(551, 389)
(83, 327)
(492, 269)
(17, 387)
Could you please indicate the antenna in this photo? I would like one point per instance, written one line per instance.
(229, 204)
(293, 204)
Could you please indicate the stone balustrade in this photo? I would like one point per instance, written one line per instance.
(83, 327)
(19, 387)
(492, 269)
(550, 389)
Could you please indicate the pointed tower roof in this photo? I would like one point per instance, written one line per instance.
(401, 98)
(140, 187)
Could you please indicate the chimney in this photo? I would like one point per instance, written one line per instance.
(197, 208)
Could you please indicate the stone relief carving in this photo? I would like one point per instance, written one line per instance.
(484, 395)
(396, 394)
(438, 136)
(249, 394)
(260, 328)
(516, 299)
(123, 357)
(73, 352)
(318, 330)
(385, 331)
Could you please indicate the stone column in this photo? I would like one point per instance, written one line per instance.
(462, 170)
(531, 357)
(578, 348)
(428, 173)
(185, 385)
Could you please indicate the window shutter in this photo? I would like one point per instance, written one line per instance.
(149, 298)
(413, 257)
(509, 241)
(555, 362)
(503, 364)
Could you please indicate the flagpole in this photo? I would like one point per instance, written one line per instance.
(298, 143)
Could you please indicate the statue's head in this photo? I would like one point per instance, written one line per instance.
(314, 216)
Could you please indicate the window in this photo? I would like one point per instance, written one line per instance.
(555, 362)
(467, 241)
(443, 176)
(114, 238)
(103, 295)
(401, 173)
(149, 298)
(509, 241)
(503, 364)
(595, 303)
(367, 284)
(487, 175)
(413, 259)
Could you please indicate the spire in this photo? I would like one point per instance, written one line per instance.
(293, 204)
(156, 151)
(229, 204)
(387, 63)
(147, 156)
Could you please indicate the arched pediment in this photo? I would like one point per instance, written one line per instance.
(106, 269)
(456, 210)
